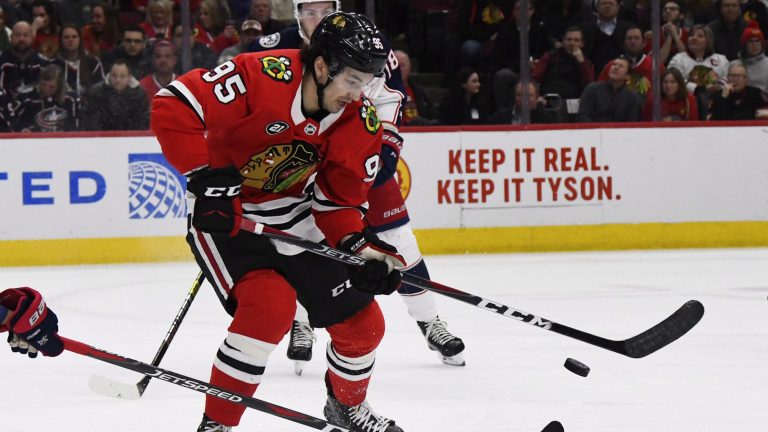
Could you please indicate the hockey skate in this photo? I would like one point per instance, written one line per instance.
(448, 347)
(359, 418)
(300, 345)
(208, 425)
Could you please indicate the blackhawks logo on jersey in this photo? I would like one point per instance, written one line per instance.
(277, 68)
(280, 166)
(370, 119)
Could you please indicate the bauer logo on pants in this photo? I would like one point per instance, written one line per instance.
(155, 189)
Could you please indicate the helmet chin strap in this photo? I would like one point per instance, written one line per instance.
(321, 87)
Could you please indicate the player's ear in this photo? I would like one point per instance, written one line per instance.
(321, 69)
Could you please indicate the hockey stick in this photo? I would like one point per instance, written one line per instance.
(112, 388)
(647, 342)
(199, 386)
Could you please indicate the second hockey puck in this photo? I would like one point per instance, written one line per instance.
(576, 367)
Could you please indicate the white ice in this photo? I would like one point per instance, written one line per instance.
(713, 379)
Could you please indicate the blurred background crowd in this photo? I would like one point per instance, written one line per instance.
(80, 65)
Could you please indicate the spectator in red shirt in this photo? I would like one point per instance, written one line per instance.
(163, 64)
(45, 25)
(641, 65)
(676, 103)
(159, 21)
(101, 35)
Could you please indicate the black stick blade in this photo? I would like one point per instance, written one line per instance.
(665, 332)
(555, 426)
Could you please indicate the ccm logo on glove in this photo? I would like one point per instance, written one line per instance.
(217, 192)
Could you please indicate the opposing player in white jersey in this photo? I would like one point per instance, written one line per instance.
(387, 215)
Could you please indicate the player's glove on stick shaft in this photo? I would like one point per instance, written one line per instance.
(33, 327)
(217, 204)
(377, 275)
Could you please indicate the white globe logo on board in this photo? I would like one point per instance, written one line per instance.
(155, 192)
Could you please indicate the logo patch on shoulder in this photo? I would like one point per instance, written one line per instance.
(370, 119)
(270, 41)
(277, 127)
(277, 68)
(310, 129)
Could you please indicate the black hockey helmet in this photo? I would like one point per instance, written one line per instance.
(350, 39)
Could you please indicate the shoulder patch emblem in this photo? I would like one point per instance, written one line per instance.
(277, 68)
(270, 41)
(370, 119)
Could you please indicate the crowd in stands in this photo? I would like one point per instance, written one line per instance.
(79, 65)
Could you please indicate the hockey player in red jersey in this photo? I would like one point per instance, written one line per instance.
(31, 326)
(387, 214)
(284, 138)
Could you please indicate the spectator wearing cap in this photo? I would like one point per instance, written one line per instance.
(738, 100)
(45, 25)
(51, 107)
(612, 100)
(20, 65)
(118, 103)
(202, 56)
(753, 56)
(102, 34)
(131, 49)
(674, 34)
(755, 10)
(728, 28)
(212, 28)
(163, 65)
(81, 70)
(250, 30)
(159, 21)
(604, 34)
(640, 64)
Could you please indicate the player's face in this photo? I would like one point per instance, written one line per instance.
(311, 14)
(345, 87)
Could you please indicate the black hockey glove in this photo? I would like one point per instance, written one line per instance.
(380, 274)
(217, 204)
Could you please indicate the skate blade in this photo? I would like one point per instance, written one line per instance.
(457, 360)
(298, 366)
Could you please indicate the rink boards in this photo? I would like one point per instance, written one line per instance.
(77, 198)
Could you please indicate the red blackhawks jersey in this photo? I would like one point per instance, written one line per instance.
(299, 174)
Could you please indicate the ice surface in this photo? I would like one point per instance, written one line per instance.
(713, 379)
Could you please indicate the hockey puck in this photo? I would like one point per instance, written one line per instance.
(576, 367)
